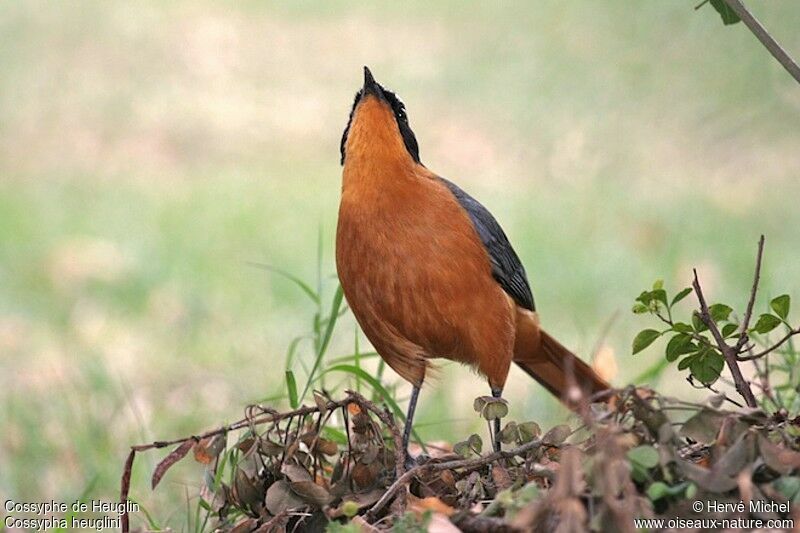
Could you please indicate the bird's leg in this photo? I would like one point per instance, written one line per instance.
(412, 406)
(496, 393)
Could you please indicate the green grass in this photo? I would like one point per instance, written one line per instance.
(149, 153)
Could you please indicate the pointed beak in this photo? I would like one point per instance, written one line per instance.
(370, 85)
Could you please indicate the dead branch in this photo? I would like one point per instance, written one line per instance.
(467, 464)
(743, 337)
(772, 348)
(728, 352)
(250, 421)
(766, 39)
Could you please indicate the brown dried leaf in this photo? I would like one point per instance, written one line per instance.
(431, 503)
(361, 499)
(779, 458)
(248, 491)
(363, 475)
(557, 435)
(207, 449)
(280, 498)
(175, 455)
(500, 476)
(321, 401)
(125, 487)
(295, 472)
(326, 447)
(292, 449)
(311, 493)
(245, 526)
(448, 478)
(245, 445)
(735, 458)
(269, 448)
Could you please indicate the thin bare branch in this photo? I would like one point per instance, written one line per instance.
(766, 39)
(468, 464)
(728, 352)
(772, 348)
(743, 338)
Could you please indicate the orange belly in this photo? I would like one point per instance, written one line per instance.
(418, 279)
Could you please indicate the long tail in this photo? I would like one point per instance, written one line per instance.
(547, 361)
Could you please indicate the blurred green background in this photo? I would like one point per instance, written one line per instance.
(149, 151)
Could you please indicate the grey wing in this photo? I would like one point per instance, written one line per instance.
(507, 269)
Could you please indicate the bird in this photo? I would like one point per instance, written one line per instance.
(426, 269)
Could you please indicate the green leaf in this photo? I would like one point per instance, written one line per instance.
(728, 15)
(789, 486)
(476, 443)
(645, 456)
(658, 284)
(660, 295)
(686, 361)
(646, 297)
(657, 490)
(291, 387)
(644, 339)
(335, 435)
(729, 329)
(681, 295)
(495, 408)
(720, 312)
(639, 308)
(707, 366)
(510, 433)
(462, 448)
(781, 305)
(529, 431)
(678, 345)
(683, 327)
(698, 323)
(766, 323)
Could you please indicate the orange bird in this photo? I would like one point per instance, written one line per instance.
(427, 270)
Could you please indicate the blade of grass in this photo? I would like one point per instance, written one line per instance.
(151, 522)
(291, 387)
(335, 435)
(352, 357)
(326, 339)
(291, 277)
